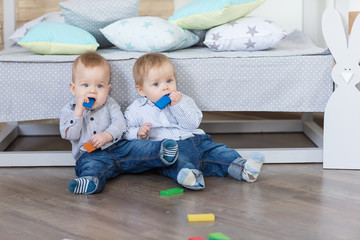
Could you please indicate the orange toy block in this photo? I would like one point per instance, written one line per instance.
(89, 147)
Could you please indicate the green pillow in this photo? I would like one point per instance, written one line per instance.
(205, 14)
(58, 38)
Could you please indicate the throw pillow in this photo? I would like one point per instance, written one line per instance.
(205, 14)
(92, 15)
(244, 34)
(49, 17)
(58, 38)
(148, 34)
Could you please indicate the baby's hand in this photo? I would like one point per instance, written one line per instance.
(79, 108)
(175, 97)
(99, 139)
(144, 130)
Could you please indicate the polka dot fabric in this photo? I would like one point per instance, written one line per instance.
(92, 15)
(286, 79)
(293, 84)
(58, 38)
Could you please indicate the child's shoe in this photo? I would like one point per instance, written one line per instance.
(191, 178)
(83, 185)
(170, 150)
(252, 167)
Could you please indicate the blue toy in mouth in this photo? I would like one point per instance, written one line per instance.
(90, 103)
(162, 102)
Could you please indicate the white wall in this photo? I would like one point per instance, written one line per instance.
(286, 13)
(179, 3)
(354, 5)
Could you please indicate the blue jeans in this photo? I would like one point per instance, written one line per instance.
(123, 157)
(210, 158)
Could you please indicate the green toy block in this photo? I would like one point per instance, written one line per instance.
(218, 236)
(171, 191)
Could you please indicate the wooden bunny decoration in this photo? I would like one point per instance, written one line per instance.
(342, 112)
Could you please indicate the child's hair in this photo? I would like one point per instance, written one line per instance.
(146, 62)
(90, 60)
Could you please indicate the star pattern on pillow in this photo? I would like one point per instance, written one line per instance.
(124, 22)
(250, 44)
(148, 34)
(252, 30)
(216, 36)
(147, 24)
(244, 34)
(214, 46)
(154, 49)
(170, 31)
(129, 47)
(233, 23)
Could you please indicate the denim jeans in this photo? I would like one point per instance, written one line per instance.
(210, 158)
(123, 157)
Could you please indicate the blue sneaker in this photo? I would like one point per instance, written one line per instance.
(83, 185)
(170, 150)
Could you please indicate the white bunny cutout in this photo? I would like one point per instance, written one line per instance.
(342, 112)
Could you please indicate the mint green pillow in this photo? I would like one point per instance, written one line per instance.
(58, 38)
(205, 14)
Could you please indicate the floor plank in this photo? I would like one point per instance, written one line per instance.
(289, 201)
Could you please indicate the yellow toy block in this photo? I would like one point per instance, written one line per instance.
(209, 217)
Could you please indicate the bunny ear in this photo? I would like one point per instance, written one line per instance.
(354, 41)
(334, 33)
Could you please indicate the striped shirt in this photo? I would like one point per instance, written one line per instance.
(177, 122)
(107, 118)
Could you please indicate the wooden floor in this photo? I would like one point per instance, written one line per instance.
(289, 201)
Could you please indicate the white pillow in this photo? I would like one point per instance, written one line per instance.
(49, 17)
(148, 34)
(244, 34)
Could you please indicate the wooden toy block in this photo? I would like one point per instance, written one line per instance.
(209, 217)
(196, 238)
(90, 103)
(89, 147)
(171, 191)
(218, 236)
(162, 102)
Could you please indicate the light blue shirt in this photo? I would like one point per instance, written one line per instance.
(107, 118)
(177, 122)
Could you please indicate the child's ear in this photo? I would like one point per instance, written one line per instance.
(140, 90)
(72, 88)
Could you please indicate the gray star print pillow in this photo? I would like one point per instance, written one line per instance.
(244, 34)
(91, 15)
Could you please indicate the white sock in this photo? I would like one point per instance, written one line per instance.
(190, 179)
(252, 167)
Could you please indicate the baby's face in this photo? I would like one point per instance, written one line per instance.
(159, 81)
(91, 83)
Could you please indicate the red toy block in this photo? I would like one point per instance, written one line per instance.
(196, 238)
